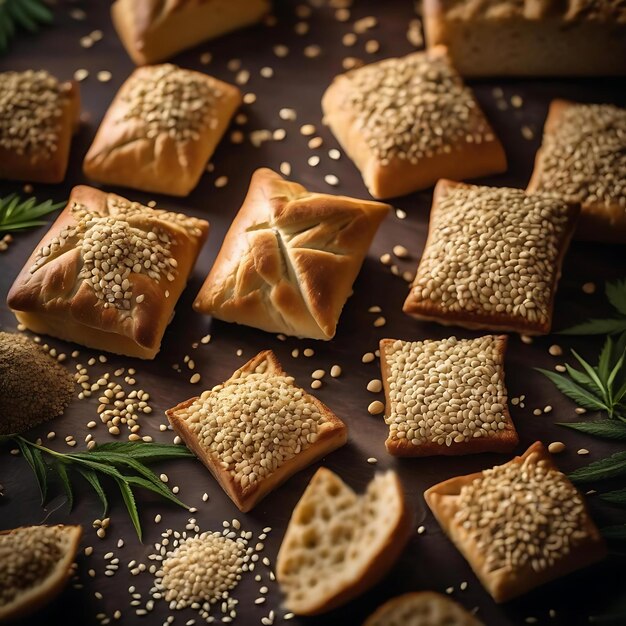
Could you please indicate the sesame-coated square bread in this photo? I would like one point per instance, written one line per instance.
(38, 116)
(446, 396)
(161, 129)
(108, 273)
(583, 159)
(257, 429)
(519, 525)
(406, 122)
(290, 258)
(492, 258)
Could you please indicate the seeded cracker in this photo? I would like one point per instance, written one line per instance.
(257, 429)
(492, 258)
(519, 525)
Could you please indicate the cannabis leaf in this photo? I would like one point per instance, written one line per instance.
(25, 14)
(617, 497)
(610, 467)
(124, 462)
(608, 429)
(18, 214)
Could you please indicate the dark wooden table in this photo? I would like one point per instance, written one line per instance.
(429, 561)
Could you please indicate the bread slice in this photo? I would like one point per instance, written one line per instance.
(257, 429)
(422, 608)
(338, 544)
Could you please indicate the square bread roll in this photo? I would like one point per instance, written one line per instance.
(406, 122)
(153, 30)
(446, 396)
(108, 273)
(161, 129)
(492, 258)
(339, 544)
(583, 159)
(289, 259)
(519, 525)
(38, 116)
(257, 429)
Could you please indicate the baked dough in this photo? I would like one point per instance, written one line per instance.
(38, 116)
(108, 273)
(154, 30)
(492, 258)
(406, 122)
(289, 259)
(257, 429)
(446, 396)
(583, 159)
(519, 525)
(161, 129)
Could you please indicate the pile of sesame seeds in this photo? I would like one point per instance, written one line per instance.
(447, 391)
(413, 108)
(493, 251)
(584, 158)
(521, 514)
(31, 108)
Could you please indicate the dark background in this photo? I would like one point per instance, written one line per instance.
(429, 561)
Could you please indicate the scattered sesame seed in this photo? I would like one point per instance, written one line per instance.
(375, 386)
(372, 460)
(376, 407)
(205, 58)
(285, 168)
(221, 181)
(556, 447)
(589, 288)
(372, 46)
(316, 384)
(385, 259)
(580, 410)
(312, 51)
(401, 252)
(313, 161)
(368, 357)
(547, 408)
(308, 352)
(527, 133)
(517, 101)
(331, 179)
(104, 76)
(281, 51)
(318, 374)
(335, 371)
(315, 142)
(379, 321)
(81, 75)
(249, 98)
(287, 114)
(583, 451)
(555, 350)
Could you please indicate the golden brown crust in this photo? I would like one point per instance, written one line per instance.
(332, 434)
(290, 258)
(54, 300)
(503, 584)
(124, 153)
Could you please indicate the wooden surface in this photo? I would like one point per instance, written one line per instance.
(430, 561)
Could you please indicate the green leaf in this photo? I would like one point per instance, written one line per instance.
(607, 428)
(582, 379)
(615, 371)
(38, 11)
(591, 373)
(129, 501)
(92, 478)
(616, 294)
(604, 363)
(577, 393)
(147, 452)
(17, 214)
(65, 481)
(35, 460)
(597, 327)
(615, 497)
(138, 481)
(610, 467)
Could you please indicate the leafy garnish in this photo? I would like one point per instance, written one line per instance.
(617, 497)
(124, 462)
(26, 14)
(608, 429)
(609, 467)
(18, 214)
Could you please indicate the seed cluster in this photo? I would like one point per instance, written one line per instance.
(413, 108)
(493, 251)
(168, 100)
(522, 513)
(447, 391)
(584, 158)
(31, 108)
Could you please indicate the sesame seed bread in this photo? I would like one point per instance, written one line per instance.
(538, 529)
(466, 276)
(437, 129)
(38, 116)
(108, 273)
(339, 544)
(45, 556)
(529, 37)
(583, 159)
(421, 608)
(290, 258)
(153, 30)
(224, 428)
(161, 129)
(446, 396)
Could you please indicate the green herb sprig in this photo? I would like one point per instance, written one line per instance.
(18, 214)
(123, 462)
(28, 15)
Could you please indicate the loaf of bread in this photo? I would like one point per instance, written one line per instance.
(257, 429)
(38, 116)
(289, 259)
(519, 525)
(339, 544)
(161, 129)
(153, 30)
(409, 121)
(583, 159)
(530, 37)
(108, 273)
(492, 258)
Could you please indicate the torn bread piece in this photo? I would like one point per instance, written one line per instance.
(257, 429)
(446, 396)
(519, 525)
(339, 544)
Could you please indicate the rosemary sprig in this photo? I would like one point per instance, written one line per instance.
(123, 462)
(26, 14)
(18, 214)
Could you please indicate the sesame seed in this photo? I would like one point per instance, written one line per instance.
(312, 51)
(400, 214)
(527, 133)
(372, 460)
(580, 410)
(589, 288)
(313, 161)
(349, 39)
(205, 58)
(375, 386)
(104, 76)
(379, 321)
(308, 352)
(583, 451)
(401, 252)
(372, 46)
(315, 142)
(249, 98)
(335, 371)
(517, 101)
(81, 75)
(368, 357)
(221, 181)
(316, 384)
(334, 154)
(556, 447)
(385, 259)
(287, 114)
(547, 409)
(307, 130)
(376, 407)
(318, 374)
(266, 72)
(281, 51)
(555, 350)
